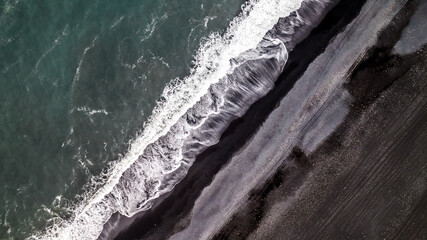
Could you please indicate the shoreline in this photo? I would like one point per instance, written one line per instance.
(180, 201)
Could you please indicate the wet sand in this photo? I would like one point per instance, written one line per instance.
(161, 221)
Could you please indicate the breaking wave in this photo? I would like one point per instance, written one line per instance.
(231, 72)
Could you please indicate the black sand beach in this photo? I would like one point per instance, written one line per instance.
(366, 180)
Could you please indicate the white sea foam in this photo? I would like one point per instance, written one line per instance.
(116, 22)
(77, 74)
(231, 72)
(90, 111)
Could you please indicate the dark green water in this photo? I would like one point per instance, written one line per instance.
(77, 81)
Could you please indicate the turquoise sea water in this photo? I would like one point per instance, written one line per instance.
(77, 81)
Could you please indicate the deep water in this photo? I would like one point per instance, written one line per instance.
(77, 81)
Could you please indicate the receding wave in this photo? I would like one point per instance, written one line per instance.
(231, 72)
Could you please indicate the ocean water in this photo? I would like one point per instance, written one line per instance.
(78, 80)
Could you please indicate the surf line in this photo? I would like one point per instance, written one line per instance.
(231, 72)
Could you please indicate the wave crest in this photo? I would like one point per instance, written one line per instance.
(231, 72)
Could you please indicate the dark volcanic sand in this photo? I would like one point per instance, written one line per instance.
(369, 179)
(366, 181)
